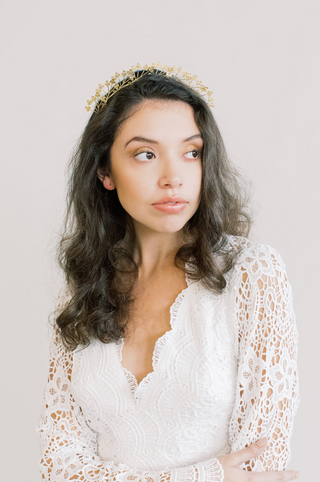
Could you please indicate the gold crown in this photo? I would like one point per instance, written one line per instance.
(109, 88)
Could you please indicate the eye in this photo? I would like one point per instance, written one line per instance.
(194, 154)
(148, 155)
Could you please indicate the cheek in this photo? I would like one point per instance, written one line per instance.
(136, 187)
(132, 189)
(196, 179)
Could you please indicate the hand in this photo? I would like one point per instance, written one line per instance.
(232, 473)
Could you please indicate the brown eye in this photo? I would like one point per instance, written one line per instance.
(194, 154)
(148, 155)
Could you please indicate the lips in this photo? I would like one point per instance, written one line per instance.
(171, 199)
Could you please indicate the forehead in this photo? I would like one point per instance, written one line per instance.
(150, 105)
(154, 115)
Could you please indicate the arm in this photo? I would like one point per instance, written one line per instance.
(267, 385)
(69, 446)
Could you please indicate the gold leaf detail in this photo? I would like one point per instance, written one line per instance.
(129, 76)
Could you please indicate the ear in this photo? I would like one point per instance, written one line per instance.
(105, 179)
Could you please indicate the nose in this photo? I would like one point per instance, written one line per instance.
(170, 182)
(171, 174)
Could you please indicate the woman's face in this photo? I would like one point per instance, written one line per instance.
(157, 154)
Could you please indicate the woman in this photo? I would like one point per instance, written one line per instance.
(174, 345)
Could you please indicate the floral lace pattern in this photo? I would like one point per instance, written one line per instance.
(267, 387)
(224, 376)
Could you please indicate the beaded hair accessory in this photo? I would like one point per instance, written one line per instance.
(118, 81)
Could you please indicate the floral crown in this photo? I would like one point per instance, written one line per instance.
(118, 81)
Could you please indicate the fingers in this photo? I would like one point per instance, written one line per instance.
(230, 464)
(272, 476)
(254, 450)
(232, 474)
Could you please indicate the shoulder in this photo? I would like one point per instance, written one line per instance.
(256, 260)
(260, 287)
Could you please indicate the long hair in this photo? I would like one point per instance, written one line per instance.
(98, 263)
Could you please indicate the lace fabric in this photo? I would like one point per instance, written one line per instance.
(267, 395)
(223, 378)
(174, 309)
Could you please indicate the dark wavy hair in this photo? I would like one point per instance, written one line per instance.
(96, 247)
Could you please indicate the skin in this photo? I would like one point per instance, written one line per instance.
(172, 168)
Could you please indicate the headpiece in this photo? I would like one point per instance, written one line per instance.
(118, 81)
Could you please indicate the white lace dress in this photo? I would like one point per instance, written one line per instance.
(224, 376)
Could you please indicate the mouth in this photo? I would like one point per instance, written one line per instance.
(171, 200)
(170, 207)
(170, 203)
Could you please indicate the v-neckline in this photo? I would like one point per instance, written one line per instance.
(159, 344)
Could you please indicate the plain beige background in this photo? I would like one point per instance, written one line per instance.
(260, 59)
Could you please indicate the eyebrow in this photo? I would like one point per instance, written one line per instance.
(144, 139)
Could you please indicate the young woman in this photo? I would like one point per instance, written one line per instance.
(174, 345)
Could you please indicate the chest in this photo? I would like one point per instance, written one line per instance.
(150, 319)
(197, 355)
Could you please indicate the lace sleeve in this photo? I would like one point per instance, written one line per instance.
(267, 385)
(69, 446)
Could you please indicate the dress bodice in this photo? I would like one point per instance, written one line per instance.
(223, 376)
(180, 412)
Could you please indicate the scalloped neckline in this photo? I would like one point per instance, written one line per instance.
(159, 344)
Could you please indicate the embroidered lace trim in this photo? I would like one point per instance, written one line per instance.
(174, 309)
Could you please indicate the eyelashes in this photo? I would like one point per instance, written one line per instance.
(144, 152)
(151, 154)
